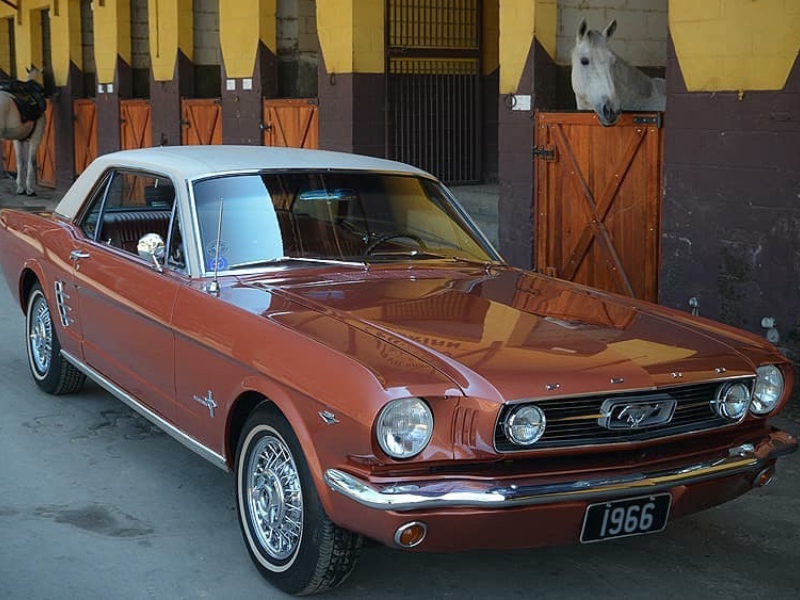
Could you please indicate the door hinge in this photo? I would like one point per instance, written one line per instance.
(648, 120)
(544, 152)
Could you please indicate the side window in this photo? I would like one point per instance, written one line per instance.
(127, 206)
(92, 216)
(176, 255)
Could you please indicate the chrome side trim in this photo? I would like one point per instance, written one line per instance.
(157, 420)
(485, 494)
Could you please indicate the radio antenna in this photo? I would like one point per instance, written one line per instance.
(213, 288)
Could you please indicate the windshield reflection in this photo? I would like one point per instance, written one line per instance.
(330, 216)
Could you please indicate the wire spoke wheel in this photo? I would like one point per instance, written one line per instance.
(51, 371)
(40, 335)
(290, 538)
(275, 497)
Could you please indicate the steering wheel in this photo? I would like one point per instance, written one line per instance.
(392, 235)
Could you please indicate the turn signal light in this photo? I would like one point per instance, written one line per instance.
(410, 534)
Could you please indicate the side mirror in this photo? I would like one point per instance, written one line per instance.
(151, 247)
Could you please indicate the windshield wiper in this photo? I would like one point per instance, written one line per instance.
(264, 262)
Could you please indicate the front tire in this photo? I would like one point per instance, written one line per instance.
(51, 372)
(291, 540)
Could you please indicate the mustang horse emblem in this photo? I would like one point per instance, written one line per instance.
(636, 413)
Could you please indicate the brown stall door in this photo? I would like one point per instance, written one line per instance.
(85, 133)
(291, 123)
(46, 155)
(135, 127)
(202, 122)
(598, 201)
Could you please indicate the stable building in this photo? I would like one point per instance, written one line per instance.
(695, 208)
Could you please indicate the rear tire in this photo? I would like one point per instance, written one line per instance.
(51, 371)
(290, 539)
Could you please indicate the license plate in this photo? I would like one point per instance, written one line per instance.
(624, 518)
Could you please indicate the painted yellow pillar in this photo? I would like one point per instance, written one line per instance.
(351, 35)
(28, 35)
(735, 45)
(171, 28)
(520, 22)
(112, 37)
(242, 24)
(65, 34)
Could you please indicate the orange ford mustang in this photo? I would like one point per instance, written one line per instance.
(337, 332)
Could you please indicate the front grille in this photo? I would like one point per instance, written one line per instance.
(574, 421)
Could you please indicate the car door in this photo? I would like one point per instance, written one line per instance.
(126, 301)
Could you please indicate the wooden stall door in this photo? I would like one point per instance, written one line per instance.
(136, 130)
(46, 154)
(291, 123)
(202, 121)
(9, 159)
(598, 201)
(85, 133)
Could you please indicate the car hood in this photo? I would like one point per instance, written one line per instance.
(509, 334)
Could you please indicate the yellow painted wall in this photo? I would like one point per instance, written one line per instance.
(171, 29)
(65, 33)
(735, 44)
(28, 35)
(351, 35)
(242, 23)
(112, 37)
(520, 21)
(5, 43)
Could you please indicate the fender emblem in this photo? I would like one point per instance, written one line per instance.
(207, 401)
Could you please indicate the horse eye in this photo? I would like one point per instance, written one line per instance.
(584, 61)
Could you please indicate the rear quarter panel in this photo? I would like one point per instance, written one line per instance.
(34, 245)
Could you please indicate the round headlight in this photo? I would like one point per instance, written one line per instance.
(525, 425)
(768, 390)
(732, 400)
(404, 427)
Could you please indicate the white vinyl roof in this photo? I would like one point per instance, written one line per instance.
(187, 163)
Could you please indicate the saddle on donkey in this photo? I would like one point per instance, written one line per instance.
(28, 96)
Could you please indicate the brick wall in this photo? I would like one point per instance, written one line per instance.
(298, 48)
(731, 222)
(87, 36)
(140, 36)
(206, 33)
(641, 35)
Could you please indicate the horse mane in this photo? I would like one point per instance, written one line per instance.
(637, 82)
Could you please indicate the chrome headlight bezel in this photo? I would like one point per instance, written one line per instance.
(526, 418)
(768, 390)
(732, 400)
(404, 427)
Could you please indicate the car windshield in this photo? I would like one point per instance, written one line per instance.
(249, 219)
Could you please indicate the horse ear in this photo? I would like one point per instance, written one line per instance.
(583, 27)
(610, 29)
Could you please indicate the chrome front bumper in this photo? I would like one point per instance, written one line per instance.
(452, 493)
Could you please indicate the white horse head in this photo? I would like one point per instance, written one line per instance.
(33, 73)
(605, 83)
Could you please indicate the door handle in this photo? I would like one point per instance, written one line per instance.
(78, 254)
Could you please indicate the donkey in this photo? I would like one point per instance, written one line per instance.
(25, 130)
(605, 83)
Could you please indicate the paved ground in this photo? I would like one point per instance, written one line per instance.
(45, 198)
